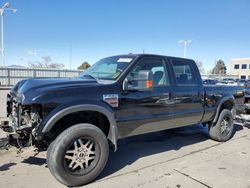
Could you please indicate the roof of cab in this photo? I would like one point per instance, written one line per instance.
(147, 55)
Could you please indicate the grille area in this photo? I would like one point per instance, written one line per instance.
(22, 116)
(14, 110)
(9, 105)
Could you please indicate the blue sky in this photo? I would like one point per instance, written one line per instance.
(97, 28)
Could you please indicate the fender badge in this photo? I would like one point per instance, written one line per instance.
(111, 99)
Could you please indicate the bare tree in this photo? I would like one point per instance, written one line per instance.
(46, 63)
(200, 66)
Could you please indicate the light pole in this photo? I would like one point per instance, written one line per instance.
(185, 42)
(6, 6)
(70, 56)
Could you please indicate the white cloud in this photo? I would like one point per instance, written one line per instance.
(32, 52)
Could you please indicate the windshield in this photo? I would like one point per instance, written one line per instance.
(108, 68)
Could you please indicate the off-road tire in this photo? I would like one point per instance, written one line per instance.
(57, 152)
(49, 151)
(215, 130)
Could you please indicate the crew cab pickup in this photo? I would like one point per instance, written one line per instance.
(120, 96)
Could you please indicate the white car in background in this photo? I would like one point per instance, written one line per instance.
(227, 83)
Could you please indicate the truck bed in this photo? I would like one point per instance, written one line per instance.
(214, 94)
(236, 91)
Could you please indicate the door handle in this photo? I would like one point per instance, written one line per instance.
(168, 95)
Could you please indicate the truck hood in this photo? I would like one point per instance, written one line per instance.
(31, 85)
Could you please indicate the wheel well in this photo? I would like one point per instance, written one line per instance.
(92, 117)
(227, 105)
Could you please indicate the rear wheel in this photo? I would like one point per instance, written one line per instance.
(223, 129)
(78, 155)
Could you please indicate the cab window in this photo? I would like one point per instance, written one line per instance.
(160, 76)
(183, 72)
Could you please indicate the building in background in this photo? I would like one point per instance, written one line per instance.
(240, 67)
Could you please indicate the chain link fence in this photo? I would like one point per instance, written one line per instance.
(10, 76)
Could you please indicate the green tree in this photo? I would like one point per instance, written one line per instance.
(84, 66)
(219, 68)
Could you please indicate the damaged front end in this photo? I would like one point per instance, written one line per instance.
(23, 120)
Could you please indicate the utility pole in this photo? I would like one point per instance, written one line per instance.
(6, 6)
(185, 42)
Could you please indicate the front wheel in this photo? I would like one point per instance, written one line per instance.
(223, 129)
(78, 155)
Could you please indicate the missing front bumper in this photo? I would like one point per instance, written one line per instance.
(17, 137)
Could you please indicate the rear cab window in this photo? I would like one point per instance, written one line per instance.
(184, 73)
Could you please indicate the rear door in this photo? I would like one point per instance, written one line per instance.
(188, 92)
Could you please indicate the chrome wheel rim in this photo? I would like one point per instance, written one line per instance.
(82, 156)
(226, 126)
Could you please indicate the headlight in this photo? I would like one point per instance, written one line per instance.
(20, 98)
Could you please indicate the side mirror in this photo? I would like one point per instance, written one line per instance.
(144, 81)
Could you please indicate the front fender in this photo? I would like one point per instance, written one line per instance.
(60, 112)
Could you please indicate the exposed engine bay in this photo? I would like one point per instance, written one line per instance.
(23, 121)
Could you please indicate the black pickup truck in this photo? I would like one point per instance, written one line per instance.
(80, 119)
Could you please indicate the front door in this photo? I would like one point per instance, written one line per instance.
(146, 111)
